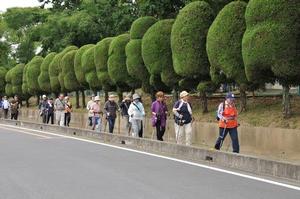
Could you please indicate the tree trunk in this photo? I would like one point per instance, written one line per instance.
(37, 100)
(132, 91)
(106, 96)
(27, 102)
(243, 98)
(203, 102)
(83, 99)
(77, 99)
(286, 102)
(120, 95)
(175, 95)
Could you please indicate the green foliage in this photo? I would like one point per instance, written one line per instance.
(271, 41)
(89, 69)
(44, 78)
(117, 69)
(55, 68)
(79, 72)
(3, 72)
(8, 86)
(68, 73)
(24, 81)
(188, 39)
(140, 26)
(32, 72)
(157, 84)
(16, 81)
(60, 76)
(101, 58)
(223, 45)
(156, 51)
(134, 62)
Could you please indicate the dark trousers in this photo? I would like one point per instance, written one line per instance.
(67, 119)
(160, 131)
(90, 121)
(111, 124)
(234, 138)
(44, 117)
(50, 115)
(141, 130)
(14, 116)
(5, 113)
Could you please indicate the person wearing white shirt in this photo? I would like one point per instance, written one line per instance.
(6, 106)
(136, 114)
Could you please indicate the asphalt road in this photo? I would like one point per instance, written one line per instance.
(40, 166)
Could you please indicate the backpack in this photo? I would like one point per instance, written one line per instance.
(217, 118)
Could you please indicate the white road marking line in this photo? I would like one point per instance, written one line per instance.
(25, 132)
(169, 158)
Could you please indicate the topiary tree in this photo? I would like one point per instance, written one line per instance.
(17, 73)
(134, 62)
(33, 71)
(44, 78)
(80, 76)
(157, 54)
(188, 43)
(271, 44)
(224, 48)
(100, 59)
(68, 73)
(89, 69)
(60, 76)
(3, 72)
(56, 78)
(24, 82)
(8, 85)
(117, 69)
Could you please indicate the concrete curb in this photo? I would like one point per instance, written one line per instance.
(241, 162)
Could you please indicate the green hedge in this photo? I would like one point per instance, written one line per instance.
(80, 76)
(44, 78)
(89, 69)
(224, 40)
(33, 71)
(8, 85)
(24, 81)
(17, 73)
(270, 43)
(101, 59)
(68, 73)
(188, 39)
(140, 26)
(117, 69)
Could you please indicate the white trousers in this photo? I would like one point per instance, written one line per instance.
(183, 131)
(60, 117)
(136, 127)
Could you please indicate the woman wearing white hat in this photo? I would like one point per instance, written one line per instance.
(183, 119)
(136, 114)
(96, 109)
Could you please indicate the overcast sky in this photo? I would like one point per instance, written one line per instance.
(4, 4)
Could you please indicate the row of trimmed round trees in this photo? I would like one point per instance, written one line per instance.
(206, 45)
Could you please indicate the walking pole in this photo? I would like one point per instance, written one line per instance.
(222, 136)
(119, 123)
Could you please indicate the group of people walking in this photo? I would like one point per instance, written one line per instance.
(62, 107)
(133, 115)
(7, 106)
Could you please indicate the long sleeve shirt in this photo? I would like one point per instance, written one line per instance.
(136, 111)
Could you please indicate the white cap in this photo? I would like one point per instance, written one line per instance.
(44, 96)
(97, 98)
(183, 94)
(136, 96)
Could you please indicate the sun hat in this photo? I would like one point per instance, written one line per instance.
(112, 96)
(44, 96)
(136, 96)
(97, 98)
(127, 97)
(184, 94)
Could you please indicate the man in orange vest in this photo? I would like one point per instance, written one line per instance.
(227, 116)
